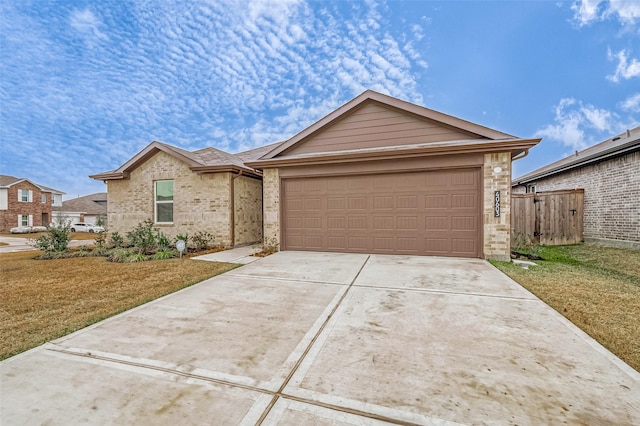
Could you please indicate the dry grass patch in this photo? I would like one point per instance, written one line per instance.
(43, 300)
(597, 288)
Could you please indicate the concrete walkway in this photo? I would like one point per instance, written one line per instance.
(242, 255)
(319, 338)
(16, 244)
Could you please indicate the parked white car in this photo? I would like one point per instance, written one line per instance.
(27, 229)
(85, 227)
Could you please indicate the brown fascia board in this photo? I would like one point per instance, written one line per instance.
(606, 154)
(199, 169)
(149, 151)
(231, 169)
(515, 146)
(370, 95)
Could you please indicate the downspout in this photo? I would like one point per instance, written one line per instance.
(233, 208)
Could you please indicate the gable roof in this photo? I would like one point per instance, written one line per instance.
(621, 144)
(369, 96)
(206, 160)
(89, 204)
(7, 181)
(474, 137)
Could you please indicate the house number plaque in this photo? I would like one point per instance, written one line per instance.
(496, 204)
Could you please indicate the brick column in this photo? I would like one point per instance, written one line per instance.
(271, 206)
(497, 230)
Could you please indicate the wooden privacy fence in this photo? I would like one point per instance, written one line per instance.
(548, 218)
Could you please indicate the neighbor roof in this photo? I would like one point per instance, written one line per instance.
(8, 181)
(206, 160)
(89, 204)
(621, 144)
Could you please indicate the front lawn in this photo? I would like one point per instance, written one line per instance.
(597, 288)
(41, 300)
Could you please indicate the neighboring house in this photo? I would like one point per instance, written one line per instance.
(25, 203)
(184, 192)
(609, 173)
(378, 175)
(381, 175)
(90, 209)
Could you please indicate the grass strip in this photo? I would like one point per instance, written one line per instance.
(41, 300)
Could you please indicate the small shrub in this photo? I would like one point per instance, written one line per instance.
(119, 255)
(143, 237)
(202, 240)
(101, 239)
(137, 257)
(55, 240)
(164, 254)
(116, 240)
(162, 241)
(82, 251)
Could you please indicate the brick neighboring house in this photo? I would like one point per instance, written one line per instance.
(25, 203)
(184, 192)
(90, 208)
(609, 173)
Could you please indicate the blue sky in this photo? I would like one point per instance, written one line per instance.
(84, 85)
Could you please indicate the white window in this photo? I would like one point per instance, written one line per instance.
(163, 196)
(25, 220)
(25, 195)
(531, 188)
(44, 198)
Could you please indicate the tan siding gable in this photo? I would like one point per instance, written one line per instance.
(376, 125)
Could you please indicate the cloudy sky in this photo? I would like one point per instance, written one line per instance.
(84, 85)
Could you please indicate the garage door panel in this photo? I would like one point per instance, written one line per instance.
(437, 201)
(463, 246)
(336, 203)
(423, 213)
(407, 202)
(437, 246)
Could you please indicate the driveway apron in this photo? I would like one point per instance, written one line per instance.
(326, 338)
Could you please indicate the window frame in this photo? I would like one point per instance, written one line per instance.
(43, 197)
(156, 201)
(25, 193)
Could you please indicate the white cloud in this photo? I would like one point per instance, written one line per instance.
(588, 11)
(86, 23)
(626, 69)
(632, 103)
(230, 74)
(574, 120)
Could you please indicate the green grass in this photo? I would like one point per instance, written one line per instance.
(595, 287)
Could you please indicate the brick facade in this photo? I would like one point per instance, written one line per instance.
(497, 230)
(611, 197)
(202, 202)
(40, 212)
(271, 206)
(247, 210)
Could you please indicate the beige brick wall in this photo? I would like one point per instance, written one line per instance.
(247, 210)
(497, 230)
(271, 205)
(201, 202)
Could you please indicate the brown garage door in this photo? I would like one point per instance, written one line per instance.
(424, 213)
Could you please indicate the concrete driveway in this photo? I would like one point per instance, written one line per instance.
(318, 338)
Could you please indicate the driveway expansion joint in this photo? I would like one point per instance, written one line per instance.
(310, 345)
